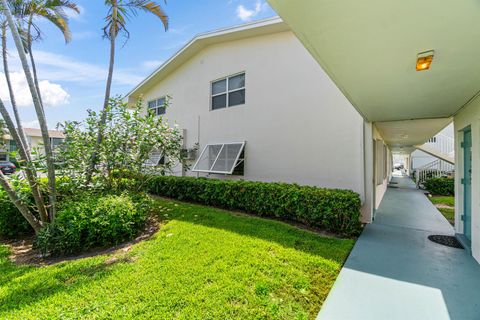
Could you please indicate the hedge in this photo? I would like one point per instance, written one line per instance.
(440, 186)
(333, 210)
(12, 224)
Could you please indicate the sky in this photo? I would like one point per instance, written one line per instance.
(72, 76)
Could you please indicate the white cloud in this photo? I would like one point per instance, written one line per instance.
(71, 14)
(52, 94)
(57, 67)
(152, 64)
(245, 14)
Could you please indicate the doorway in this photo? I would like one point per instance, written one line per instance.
(467, 183)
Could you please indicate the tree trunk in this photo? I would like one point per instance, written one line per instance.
(11, 93)
(30, 173)
(38, 109)
(103, 118)
(32, 220)
(19, 137)
(32, 60)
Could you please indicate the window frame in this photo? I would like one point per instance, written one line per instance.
(54, 146)
(223, 144)
(162, 159)
(227, 92)
(157, 106)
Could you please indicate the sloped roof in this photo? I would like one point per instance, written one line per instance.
(199, 42)
(32, 132)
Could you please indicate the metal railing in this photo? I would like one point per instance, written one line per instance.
(434, 169)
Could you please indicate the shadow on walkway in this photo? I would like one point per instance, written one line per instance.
(395, 272)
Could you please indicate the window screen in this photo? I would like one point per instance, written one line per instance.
(219, 158)
(156, 158)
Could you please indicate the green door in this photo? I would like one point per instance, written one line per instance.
(467, 183)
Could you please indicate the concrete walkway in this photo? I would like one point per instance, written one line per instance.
(395, 272)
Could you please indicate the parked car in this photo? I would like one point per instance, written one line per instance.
(398, 166)
(7, 167)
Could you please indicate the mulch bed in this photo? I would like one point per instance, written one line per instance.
(24, 254)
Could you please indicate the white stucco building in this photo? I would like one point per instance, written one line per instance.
(409, 73)
(257, 86)
(34, 140)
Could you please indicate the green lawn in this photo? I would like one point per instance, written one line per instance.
(448, 201)
(446, 205)
(204, 263)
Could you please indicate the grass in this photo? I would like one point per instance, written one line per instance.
(449, 214)
(204, 263)
(447, 201)
(446, 205)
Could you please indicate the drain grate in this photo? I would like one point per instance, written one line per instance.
(449, 241)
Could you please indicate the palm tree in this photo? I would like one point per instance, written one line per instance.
(38, 108)
(13, 101)
(119, 11)
(18, 135)
(53, 11)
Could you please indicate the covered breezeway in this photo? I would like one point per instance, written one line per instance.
(395, 272)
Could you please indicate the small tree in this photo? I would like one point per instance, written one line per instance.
(130, 138)
(119, 11)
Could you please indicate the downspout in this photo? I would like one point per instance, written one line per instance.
(198, 139)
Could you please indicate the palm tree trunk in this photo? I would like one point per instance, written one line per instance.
(103, 118)
(29, 171)
(32, 220)
(19, 135)
(38, 109)
(11, 93)
(32, 60)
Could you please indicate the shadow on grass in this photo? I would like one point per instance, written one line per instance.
(25, 285)
(286, 235)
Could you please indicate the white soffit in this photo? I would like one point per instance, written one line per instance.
(402, 135)
(369, 49)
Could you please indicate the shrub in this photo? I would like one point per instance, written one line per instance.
(329, 209)
(440, 186)
(94, 221)
(12, 223)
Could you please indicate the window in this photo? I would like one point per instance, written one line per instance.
(158, 106)
(220, 158)
(55, 142)
(379, 161)
(13, 146)
(385, 162)
(228, 92)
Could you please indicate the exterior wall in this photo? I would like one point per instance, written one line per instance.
(469, 116)
(381, 183)
(420, 158)
(297, 125)
(35, 141)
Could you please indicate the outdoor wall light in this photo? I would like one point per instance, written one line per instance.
(424, 60)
